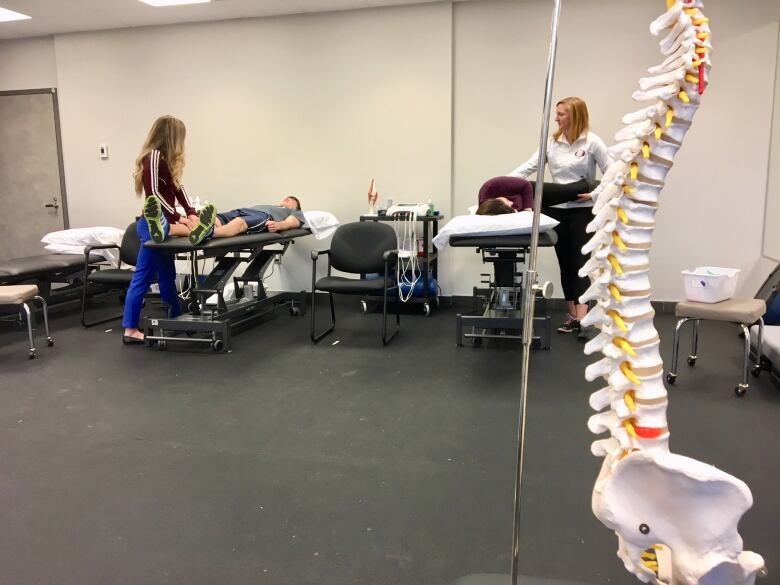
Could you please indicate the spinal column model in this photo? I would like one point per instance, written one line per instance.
(676, 518)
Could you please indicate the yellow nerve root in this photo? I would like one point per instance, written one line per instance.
(650, 560)
(625, 367)
(634, 171)
(691, 78)
(658, 132)
(622, 215)
(615, 292)
(618, 320)
(618, 241)
(628, 398)
(669, 117)
(684, 97)
(625, 346)
(646, 150)
(630, 429)
(615, 264)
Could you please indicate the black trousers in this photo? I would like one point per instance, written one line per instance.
(571, 238)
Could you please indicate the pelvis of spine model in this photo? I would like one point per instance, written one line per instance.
(676, 518)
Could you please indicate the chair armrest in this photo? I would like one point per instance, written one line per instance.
(386, 255)
(88, 249)
(317, 253)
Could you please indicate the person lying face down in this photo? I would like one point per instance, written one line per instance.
(496, 206)
(286, 215)
(518, 193)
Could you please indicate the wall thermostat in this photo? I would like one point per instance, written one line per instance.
(103, 149)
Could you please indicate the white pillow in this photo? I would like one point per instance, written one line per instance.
(519, 223)
(85, 236)
(75, 240)
(321, 223)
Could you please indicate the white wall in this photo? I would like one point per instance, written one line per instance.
(316, 104)
(772, 220)
(27, 64)
(307, 105)
(713, 205)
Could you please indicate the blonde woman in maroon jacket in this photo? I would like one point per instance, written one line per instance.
(157, 176)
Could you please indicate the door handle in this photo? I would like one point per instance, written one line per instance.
(55, 204)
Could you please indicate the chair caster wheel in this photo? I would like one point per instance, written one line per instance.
(426, 310)
(162, 345)
(32, 354)
(217, 345)
(691, 361)
(740, 390)
(49, 341)
(671, 378)
(364, 307)
(755, 370)
(295, 311)
(476, 342)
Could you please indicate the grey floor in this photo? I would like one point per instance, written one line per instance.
(343, 463)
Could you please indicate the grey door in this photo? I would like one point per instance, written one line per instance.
(31, 186)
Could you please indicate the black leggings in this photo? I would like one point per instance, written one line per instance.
(555, 193)
(571, 238)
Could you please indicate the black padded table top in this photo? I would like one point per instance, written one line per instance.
(176, 245)
(507, 241)
(44, 264)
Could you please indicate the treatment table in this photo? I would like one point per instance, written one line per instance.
(64, 271)
(501, 316)
(213, 322)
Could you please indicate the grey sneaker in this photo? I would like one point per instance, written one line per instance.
(155, 219)
(571, 325)
(205, 228)
(586, 333)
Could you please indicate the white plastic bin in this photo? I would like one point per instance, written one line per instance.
(710, 284)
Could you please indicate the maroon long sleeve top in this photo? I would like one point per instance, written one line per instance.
(158, 182)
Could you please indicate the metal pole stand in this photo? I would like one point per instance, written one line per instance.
(531, 285)
(496, 579)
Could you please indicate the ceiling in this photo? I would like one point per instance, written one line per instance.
(64, 16)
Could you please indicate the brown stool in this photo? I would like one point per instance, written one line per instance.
(15, 297)
(743, 312)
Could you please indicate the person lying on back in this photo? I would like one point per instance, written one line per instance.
(286, 215)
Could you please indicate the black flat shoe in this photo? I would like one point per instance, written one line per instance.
(128, 340)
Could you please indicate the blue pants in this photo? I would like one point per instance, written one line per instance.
(150, 264)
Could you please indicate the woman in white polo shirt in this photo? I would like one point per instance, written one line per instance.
(573, 153)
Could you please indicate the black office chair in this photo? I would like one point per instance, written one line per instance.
(111, 278)
(359, 248)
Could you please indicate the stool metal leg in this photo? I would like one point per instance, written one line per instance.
(756, 368)
(45, 307)
(740, 389)
(672, 375)
(694, 344)
(29, 329)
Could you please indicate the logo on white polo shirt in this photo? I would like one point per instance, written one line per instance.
(580, 153)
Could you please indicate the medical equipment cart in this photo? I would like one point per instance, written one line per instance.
(427, 257)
